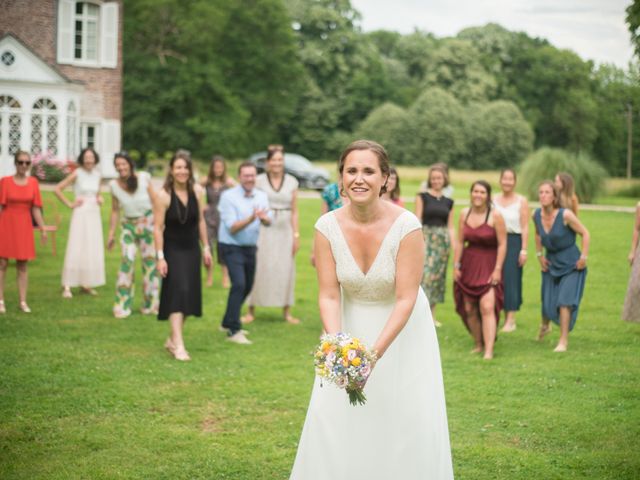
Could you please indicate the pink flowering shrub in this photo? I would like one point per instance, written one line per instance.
(46, 167)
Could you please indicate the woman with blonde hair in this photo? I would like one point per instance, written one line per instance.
(564, 267)
(566, 189)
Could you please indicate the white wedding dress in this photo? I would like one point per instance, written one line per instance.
(401, 432)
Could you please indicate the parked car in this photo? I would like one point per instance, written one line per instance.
(300, 167)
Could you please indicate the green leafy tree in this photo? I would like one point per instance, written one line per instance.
(384, 125)
(633, 22)
(498, 135)
(433, 130)
(208, 75)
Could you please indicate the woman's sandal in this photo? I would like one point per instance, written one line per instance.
(3, 308)
(24, 307)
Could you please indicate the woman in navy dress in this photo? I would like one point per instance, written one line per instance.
(564, 268)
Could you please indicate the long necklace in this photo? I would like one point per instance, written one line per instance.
(181, 220)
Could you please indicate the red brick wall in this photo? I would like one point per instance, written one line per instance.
(34, 22)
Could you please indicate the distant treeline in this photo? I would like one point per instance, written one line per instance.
(231, 77)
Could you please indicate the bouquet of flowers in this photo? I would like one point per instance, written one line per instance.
(346, 362)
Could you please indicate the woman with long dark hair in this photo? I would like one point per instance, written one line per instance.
(132, 193)
(478, 260)
(19, 200)
(178, 225)
(393, 188)
(217, 181)
(84, 258)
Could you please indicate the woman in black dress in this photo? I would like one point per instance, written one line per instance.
(435, 211)
(179, 223)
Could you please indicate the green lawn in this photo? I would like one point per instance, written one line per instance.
(86, 396)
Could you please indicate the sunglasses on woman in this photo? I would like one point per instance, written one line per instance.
(25, 163)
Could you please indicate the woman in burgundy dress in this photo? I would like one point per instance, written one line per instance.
(19, 200)
(478, 259)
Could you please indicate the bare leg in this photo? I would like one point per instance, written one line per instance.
(250, 316)
(23, 280)
(3, 271)
(509, 322)
(489, 324)
(473, 321)
(177, 341)
(545, 327)
(286, 311)
(565, 319)
(209, 275)
(4, 264)
(433, 314)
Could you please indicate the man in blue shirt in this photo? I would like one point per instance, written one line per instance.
(242, 209)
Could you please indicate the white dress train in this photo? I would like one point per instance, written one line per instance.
(401, 432)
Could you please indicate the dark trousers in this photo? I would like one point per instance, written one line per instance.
(241, 262)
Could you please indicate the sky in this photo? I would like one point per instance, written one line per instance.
(594, 29)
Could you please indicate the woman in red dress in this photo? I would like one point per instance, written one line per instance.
(19, 199)
(478, 259)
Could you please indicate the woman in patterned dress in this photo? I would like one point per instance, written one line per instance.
(278, 244)
(217, 181)
(84, 258)
(133, 193)
(19, 200)
(435, 211)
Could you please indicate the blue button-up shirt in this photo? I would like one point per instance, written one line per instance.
(237, 204)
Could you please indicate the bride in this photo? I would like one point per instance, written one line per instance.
(369, 258)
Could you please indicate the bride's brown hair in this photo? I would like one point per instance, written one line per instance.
(377, 149)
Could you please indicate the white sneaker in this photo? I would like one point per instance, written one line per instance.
(239, 338)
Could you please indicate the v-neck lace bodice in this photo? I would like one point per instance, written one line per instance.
(378, 283)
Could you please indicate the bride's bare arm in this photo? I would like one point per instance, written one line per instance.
(409, 265)
(328, 286)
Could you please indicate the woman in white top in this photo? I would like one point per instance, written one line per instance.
(84, 258)
(515, 211)
(133, 194)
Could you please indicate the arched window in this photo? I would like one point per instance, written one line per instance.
(44, 127)
(10, 123)
(72, 131)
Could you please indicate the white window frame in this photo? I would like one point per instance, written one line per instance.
(108, 31)
(85, 18)
(84, 135)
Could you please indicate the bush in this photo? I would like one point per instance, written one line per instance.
(383, 125)
(546, 162)
(46, 167)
